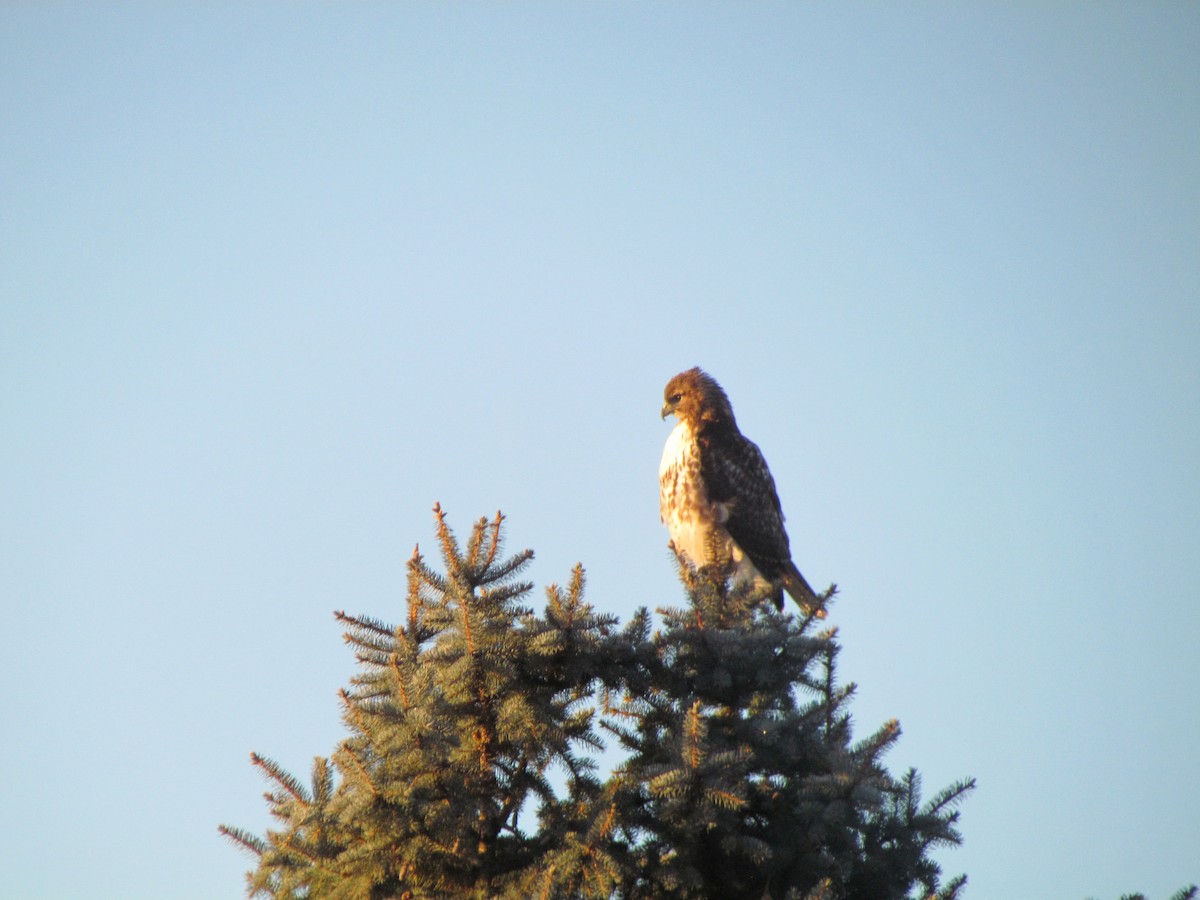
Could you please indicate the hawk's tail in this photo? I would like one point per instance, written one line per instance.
(802, 593)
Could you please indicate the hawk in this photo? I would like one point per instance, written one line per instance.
(716, 493)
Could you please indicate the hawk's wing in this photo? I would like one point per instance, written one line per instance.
(736, 476)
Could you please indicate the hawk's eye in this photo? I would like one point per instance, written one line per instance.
(675, 398)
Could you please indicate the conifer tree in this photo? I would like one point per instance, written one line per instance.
(743, 779)
(741, 776)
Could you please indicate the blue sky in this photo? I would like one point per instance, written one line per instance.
(276, 278)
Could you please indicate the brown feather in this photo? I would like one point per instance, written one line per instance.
(806, 598)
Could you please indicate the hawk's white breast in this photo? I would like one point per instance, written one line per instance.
(686, 510)
(683, 502)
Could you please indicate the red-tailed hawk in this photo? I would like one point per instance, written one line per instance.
(715, 492)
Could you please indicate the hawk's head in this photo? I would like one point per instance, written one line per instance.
(696, 398)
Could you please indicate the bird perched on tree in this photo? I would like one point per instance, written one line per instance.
(716, 492)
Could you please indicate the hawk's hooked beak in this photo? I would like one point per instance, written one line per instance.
(668, 409)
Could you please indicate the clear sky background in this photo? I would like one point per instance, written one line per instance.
(276, 278)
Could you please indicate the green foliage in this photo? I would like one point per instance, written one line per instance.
(740, 775)
(743, 779)
(1191, 892)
